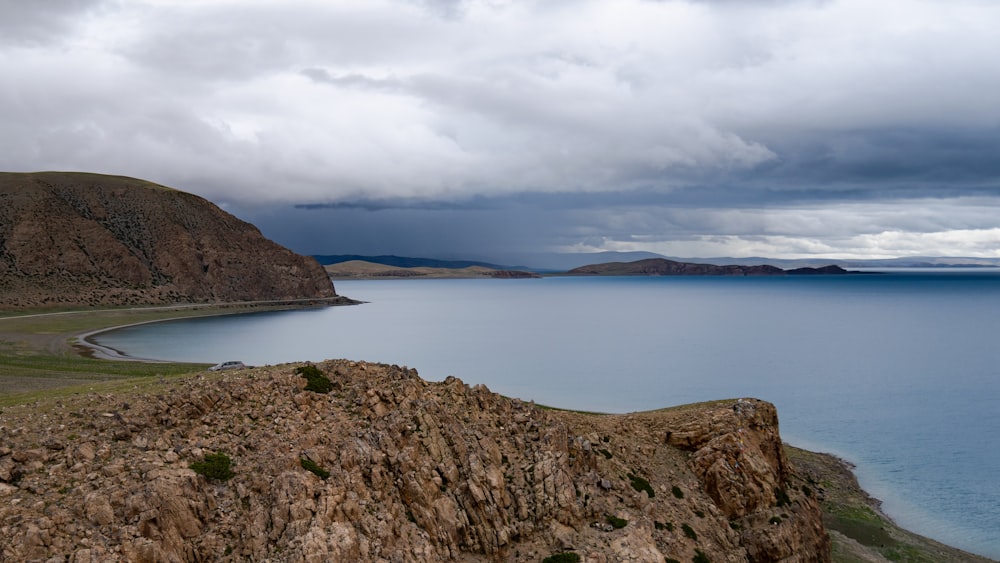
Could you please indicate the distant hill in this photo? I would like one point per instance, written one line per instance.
(409, 262)
(360, 269)
(69, 238)
(664, 267)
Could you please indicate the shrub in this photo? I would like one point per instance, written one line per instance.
(310, 465)
(807, 491)
(315, 380)
(699, 513)
(672, 560)
(689, 532)
(564, 557)
(215, 466)
(640, 484)
(700, 557)
(605, 453)
(775, 520)
(677, 491)
(616, 523)
(658, 525)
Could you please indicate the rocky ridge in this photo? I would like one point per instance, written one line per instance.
(403, 470)
(71, 239)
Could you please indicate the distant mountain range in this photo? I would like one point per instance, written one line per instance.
(562, 262)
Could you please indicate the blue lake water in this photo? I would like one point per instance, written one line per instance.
(898, 373)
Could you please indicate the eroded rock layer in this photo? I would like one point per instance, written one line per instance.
(389, 467)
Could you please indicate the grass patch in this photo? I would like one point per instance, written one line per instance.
(312, 467)
(215, 466)
(316, 381)
(640, 484)
(864, 531)
(616, 523)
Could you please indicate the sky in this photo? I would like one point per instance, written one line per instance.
(492, 128)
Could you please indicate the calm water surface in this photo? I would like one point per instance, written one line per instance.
(898, 373)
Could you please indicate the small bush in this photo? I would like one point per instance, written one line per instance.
(677, 491)
(215, 466)
(605, 453)
(807, 491)
(616, 523)
(564, 557)
(689, 532)
(310, 465)
(775, 520)
(672, 560)
(699, 513)
(640, 484)
(700, 557)
(315, 380)
(658, 525)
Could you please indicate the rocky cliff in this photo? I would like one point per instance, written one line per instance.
(388, 467)
(88, 239)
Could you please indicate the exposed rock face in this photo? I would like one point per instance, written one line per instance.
(88, 239)
(418, 471)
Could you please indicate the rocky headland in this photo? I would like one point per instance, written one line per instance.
(76, 239)
(388, 467)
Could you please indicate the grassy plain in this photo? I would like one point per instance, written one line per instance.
(41, 353)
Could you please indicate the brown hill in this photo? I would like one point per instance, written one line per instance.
(89, 239)
(389, 467)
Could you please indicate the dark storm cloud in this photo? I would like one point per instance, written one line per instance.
(784, 126)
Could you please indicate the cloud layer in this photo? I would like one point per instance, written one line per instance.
(777, 127)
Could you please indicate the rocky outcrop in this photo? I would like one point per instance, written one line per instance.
(401, 470)
(89, 239)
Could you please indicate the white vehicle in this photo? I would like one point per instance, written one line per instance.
(227, 365)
